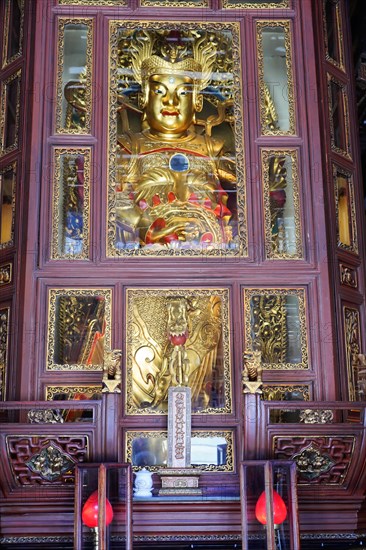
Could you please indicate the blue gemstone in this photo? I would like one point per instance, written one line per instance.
(179, 163)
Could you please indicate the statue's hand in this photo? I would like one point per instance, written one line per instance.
(160, 231)
(157, 182)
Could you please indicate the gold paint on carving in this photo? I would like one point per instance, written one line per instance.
(53, 324)
(3, 102)
(348, 276)
(4, 344)
(112, 373)
(94, 3)
(153, 434)
(353, 247)
(274, 177)
(310, 463)
(62, 188)
(229, 4)
(175, 4)
(7, 31)
(83, 101)
(116, 57)
(346, 122)
(11, 168)
(313, 416)
(352, 335)
(360, 370)
(148, 347)
(45, 416)
(278, 393)
(71, 391)
(6, 274)
(252, 372)
(338, 36)
(271, 330)
(263, 89)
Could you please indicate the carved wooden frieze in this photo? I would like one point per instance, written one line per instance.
(44, 459)
(348, 276)
(320, 459)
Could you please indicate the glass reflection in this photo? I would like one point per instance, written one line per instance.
(14, 31)
(74, 85)
(277, 109)
(339, 116)
(153, 451)
(7, 189)
(346, 228)
(79, 330)
(332, 29)
(175, 127)
(10, 115)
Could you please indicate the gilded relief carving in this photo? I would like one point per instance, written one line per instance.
(351, 320)
(261, 4)
(311, 463)
(252, 372)
(275, 325)
(4, 336)
(175, 3)
(78, 328)
(51, 463)
(45, 416)
(6, 274)
(348, 276)
(176, 154)
(77, 392)
(177, 337)
(70, 216)
(286, 392)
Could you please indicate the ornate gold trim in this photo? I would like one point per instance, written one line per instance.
(347, 152)
(6, 27)
(54, 293)
(70, 391)
(338, 37)
(264, 5)
(11, 167)
(353, 247)
(88, 78)
(232, 27)
(174, 3)
(115, 3)
(193, 293)
(300, 294)
(271, 252)
(3, 94)
(277, 392)
(352, 342)
(227, 434)
(286, 25)
(57, 195)
(6, 274)
(4, 345)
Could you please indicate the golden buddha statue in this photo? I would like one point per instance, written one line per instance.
(173, 177)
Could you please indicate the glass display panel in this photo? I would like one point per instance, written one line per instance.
(339, 119)
(332, 31)
(13, 35)
(276, 92)
(9, 116)
(7, 190)
(78, 329)
(345, 211)
(175, 140)
(74, 86)
(70, 216)
(76, 392)
(210, 451)
(178, 337)
(4, 337)
(281, 203)
(256, 4)
(275, 325)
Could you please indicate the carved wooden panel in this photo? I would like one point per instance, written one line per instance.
(320, 459)
(41, 460)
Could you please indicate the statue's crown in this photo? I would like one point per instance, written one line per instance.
(157, 65)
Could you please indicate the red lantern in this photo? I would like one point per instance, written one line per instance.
(90, 511)
(279, 509)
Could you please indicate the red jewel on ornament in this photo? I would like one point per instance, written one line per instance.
(279, 509)
(89, 514)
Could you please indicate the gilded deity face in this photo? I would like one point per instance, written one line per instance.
(170, 105)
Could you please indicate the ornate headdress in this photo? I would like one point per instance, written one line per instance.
(145, 64)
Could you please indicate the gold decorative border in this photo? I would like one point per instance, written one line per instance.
(58, 153)
(54, 293)
(4, 84)
(4, 345)
(338, 37)
(265, 156)
(352, 342)
(353, 247)
(51, 390)
(264, 5)
(6, 27)
(232, 27)
(285, 24)
(178, 292)
(344, 153)
(227, 434)
(6, 274)
(62, 22)
(174, 4)
(278, 391)
(11, 167)
(300, 293)
(94, 3)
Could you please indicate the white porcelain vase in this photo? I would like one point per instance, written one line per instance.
(143, 483)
